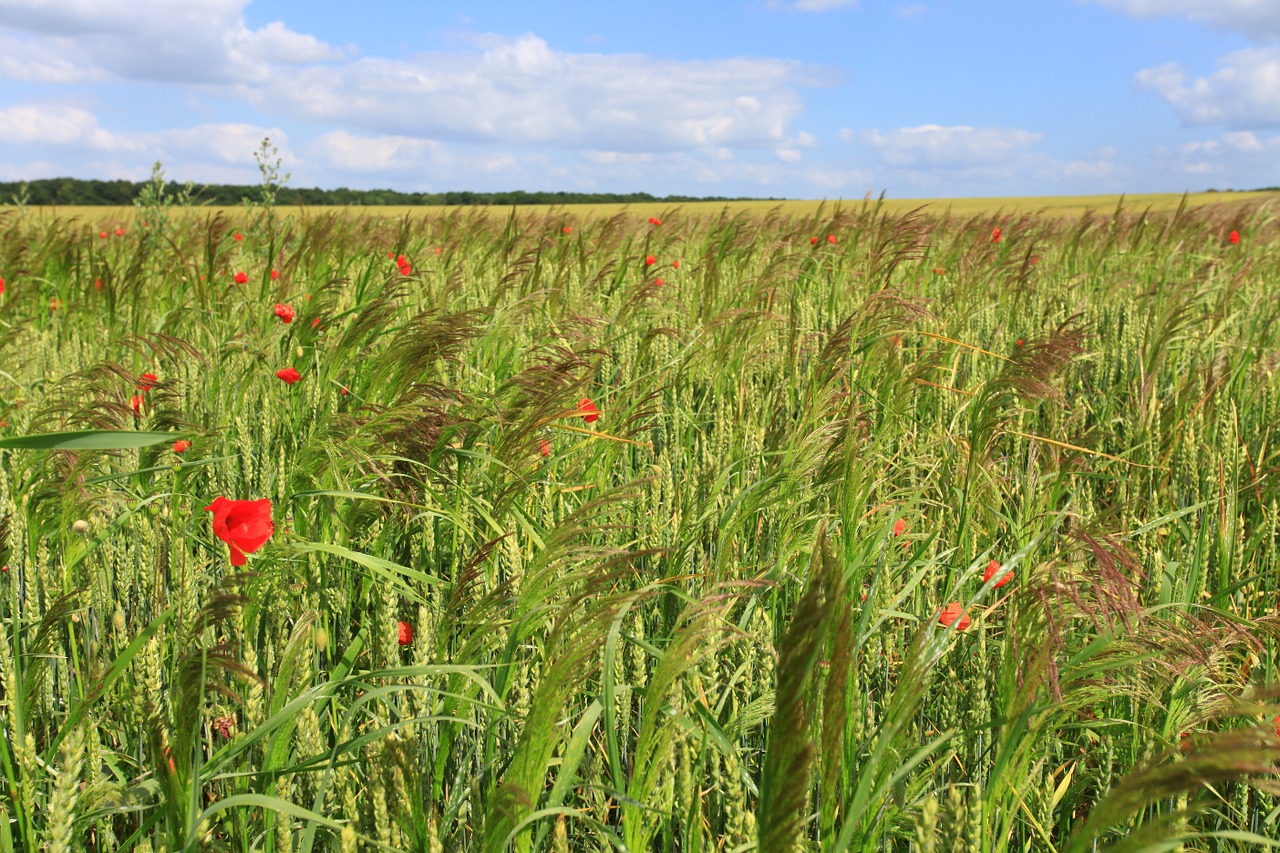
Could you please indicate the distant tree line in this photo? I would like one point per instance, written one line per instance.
(74, 191)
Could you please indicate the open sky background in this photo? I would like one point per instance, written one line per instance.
(780, 98)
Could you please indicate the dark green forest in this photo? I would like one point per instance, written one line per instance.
(75, 191)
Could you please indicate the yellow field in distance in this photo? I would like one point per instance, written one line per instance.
(1051, 206)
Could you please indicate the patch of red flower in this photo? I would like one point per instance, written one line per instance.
(1277, 722)
(831, 238)
(97, 285)
(657, 282)
(675, 265)
(102, 235)
(544, 447)
(813, 241)
(181, 446)
(244, 525)
(238, 236)
(900, 527)
(136, 401)
(568, 229)
(1, 285)
(275, 275)
(404, 632)
(55, 304)
(953, 614)
(995, 235)
(344, 390)
(119, 232)
(289, 375)
(1020, 342)
(653, 220)
(1234, 237)
(405, 269)
(315, 322)
(650, 260)
(147, 381)
(588, 410)
(242, 277)
(284, 312)
(992, 568)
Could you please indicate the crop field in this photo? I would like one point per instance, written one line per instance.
(836, 528)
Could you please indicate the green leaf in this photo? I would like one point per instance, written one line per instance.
(88, 439)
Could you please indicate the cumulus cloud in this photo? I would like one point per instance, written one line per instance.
(1254, 18)
(932, 146)
(1244, 93)
(1236, 159)
(196, 41)
(519, 90)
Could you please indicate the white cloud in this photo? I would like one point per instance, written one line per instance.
(1244, 93)
(55, 125)
(520, 91)
(1254, 18)
(1240, 160)
(348, 152)
(195, 41)
(912, 10)
(931, 146)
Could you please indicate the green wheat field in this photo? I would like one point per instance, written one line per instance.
(824, 528)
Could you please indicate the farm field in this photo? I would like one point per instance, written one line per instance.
(839, 527)
(1044, 206)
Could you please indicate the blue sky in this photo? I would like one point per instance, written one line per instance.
(782, 98)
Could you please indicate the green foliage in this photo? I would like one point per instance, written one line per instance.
(708, 620)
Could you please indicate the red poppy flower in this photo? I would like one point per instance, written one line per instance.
(675, 265)
(242, 277)
(992, 568)
(275, 275)
(653, 220)
(284, 312)
(939, 271)
(439, 250)
(147, 381)
(97, 285)
(1020, 342)
(181, 446)
(136, 402)
(405, 269)
(650, 260)
(404, 632)
(1234, 237)
(1, 285)
(568, 229)
(102, 235)
(401, 260)
(813, 241)
(344, 390)
(238, 236)
(289, 375)
(1277, 722)
(953, 613)
(244, 525)
(995, 235)
(119, 232)
(657, 282)
(831, 238)
(315, 322)
(55, 303)
(588, 410)
(900, 527)
(544, 447)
